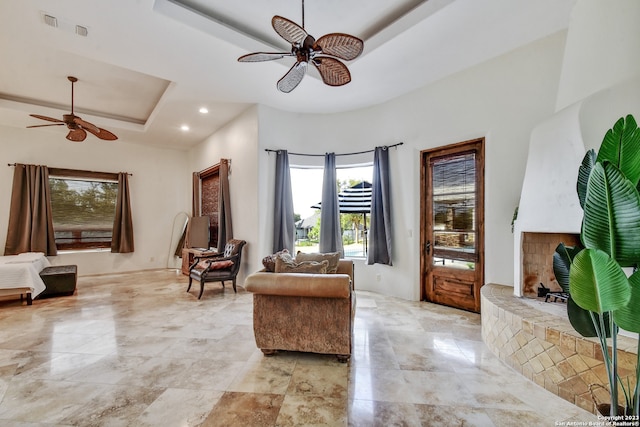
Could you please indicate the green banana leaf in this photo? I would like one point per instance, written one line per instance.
(611, 220)
(562, 259)
(581, 321)
(597, 282)
(579, 318)
(628, 317)
(583, 175)
(621, 146)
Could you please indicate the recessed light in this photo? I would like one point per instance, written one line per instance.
(204, 110)
(184, 128)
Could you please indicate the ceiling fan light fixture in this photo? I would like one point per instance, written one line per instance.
(78, 128)
(325, 54)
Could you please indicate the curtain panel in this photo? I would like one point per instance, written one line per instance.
(225, 226)
(30, 218)
(380, 230)
(283, 223)
(122, 235)
(330, 229)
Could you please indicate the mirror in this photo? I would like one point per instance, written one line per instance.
(179, 228)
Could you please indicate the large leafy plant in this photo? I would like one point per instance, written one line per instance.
(602, 276)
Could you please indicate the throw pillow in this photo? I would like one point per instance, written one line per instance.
(310, 267)
(215, 265)
(332, 257)
(269, 261)
(221, 265)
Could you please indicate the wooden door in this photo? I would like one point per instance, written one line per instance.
(452, 224)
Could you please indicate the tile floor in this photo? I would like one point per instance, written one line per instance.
(137, 350)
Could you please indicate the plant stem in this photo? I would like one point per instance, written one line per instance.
(614, 365)
(636, 392)
(599, 326)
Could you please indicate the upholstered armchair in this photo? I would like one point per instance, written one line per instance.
(304, 312)
(217, 267)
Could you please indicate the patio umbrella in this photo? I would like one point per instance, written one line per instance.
(355, 199)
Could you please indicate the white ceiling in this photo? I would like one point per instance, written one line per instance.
(147, 66)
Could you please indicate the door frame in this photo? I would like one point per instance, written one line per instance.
(476, 145)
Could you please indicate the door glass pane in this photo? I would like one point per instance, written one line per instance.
(454, 219)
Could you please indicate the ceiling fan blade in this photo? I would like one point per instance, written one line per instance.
(293, 77)
(340, 45)
(289, 30)
(263, 56)
(333, 72)
(76, 135)
(102, 134)
(41, 126)
(86, 125)
(50, 119)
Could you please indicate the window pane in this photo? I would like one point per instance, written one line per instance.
(354, 187)
(83, 212)
(454, 203)
(306, 188)
(355, 207)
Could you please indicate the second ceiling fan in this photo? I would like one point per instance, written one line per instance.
(325, 54)
(77, 127)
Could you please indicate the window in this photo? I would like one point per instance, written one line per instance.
(354, 187)
(83, 205)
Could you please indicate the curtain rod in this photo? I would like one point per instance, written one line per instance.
(269, 150)
(130, 174)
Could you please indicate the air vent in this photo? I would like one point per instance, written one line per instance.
(81, 31)
(50, 21)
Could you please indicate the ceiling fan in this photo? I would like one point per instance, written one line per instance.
(324, 53)
(77, 126)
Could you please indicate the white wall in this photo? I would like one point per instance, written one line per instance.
(237, 141)
(500, 100)
(157, 190)
(602, 48)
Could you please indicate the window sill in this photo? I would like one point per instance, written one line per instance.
(82, 251)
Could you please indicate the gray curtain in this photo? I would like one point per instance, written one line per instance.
(122, 236)
(225, 227)
(30, 219)
(330, 230)
(380, 230)
(283, 224)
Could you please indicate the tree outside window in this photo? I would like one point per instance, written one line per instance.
(83, 212)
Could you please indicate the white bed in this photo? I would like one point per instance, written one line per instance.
(20, 274)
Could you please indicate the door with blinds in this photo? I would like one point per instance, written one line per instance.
(452, 224)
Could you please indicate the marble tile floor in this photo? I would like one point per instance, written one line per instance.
(137, 350)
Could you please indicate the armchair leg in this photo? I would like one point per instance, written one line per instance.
(189, 287)
(234, 285)
(201, 289)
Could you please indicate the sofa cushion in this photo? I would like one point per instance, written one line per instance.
(332, 257)
(311, 267)
(300, 285)
(269, 261)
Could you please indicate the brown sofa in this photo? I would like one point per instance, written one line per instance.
(304, 312)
